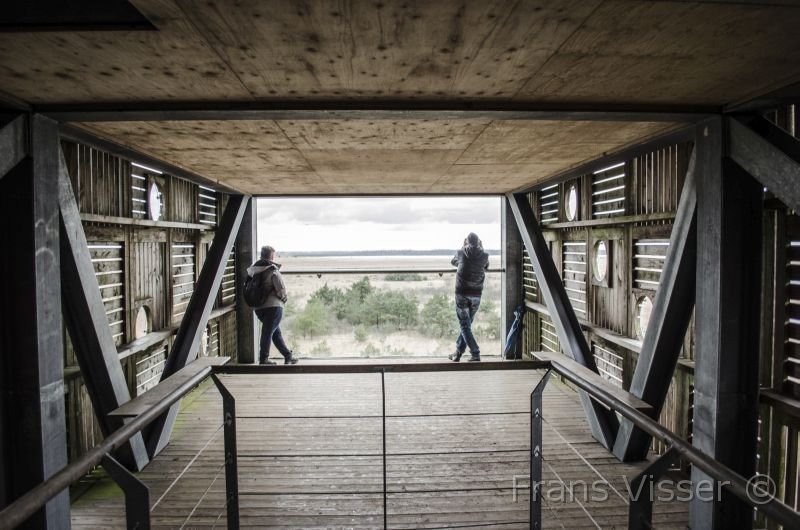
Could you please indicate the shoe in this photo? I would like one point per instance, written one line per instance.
(267, 361)
(475, 357)
(291, 360)
(455, 357)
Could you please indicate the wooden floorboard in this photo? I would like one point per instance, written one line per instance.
(310, 456)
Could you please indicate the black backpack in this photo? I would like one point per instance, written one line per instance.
(255, 290)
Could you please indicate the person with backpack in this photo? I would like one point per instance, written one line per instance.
(265, 292)
(472, 262)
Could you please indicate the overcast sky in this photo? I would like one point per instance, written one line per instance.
(409, 223)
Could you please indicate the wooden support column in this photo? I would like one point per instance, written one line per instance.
(769, 154)
(512, 289)
(190, 332)
(85, 316)
(603, 422)
(668, 323)
(246, 243)
(13, 143)
(729, 209)
(33, 429)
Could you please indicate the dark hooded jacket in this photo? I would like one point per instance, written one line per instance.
(472, 261)
(277, 290)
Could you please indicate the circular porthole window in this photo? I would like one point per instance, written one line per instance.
(155, 202)
(644, 306)
(600, 261)
(143, 324)
(571, 203)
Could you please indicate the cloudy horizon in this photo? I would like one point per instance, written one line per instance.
(376, 223)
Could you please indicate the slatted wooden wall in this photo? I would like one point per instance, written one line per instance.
(153, 266)
(629, 206)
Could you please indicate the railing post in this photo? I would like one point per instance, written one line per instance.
(383, 401)
(137, 494)
(640, 508)
(231, 455)
(536, 454)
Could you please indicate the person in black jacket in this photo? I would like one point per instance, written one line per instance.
(472, 262)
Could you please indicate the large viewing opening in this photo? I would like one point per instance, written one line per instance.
(372, 277)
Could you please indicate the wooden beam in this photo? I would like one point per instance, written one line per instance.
(668, 322)
(13, 143)
(32, 424)
(184, 348)
(246, 250)
(86, 320)
(769, 154)
(371, 110)
(57, 15)
(727, 317)
(602, 421)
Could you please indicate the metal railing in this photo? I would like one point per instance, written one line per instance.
(384, 270)
(137, 505)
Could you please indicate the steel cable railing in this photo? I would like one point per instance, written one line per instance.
(21, 509)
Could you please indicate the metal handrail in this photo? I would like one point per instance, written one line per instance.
(320, 272)
(21, 509)
(737, 484)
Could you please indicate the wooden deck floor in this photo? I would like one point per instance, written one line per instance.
(310, 457)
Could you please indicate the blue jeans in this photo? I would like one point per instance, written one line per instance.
(466, 307)
(270, 318)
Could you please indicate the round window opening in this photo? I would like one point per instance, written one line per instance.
(644, 306)
(600, 261)
(155, 202)
(143, 323)
(571, 203)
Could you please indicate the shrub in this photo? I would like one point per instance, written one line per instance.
(312, 320)
(403, 277)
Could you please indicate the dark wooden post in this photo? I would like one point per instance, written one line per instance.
(87, 323)
(512, 290)
(602, 421)
(246, 243)
(729, 209)
(31, 344)
(187, 341)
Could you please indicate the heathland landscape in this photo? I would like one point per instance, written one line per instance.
(387, 314)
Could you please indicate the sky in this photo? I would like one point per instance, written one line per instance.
(372, 223)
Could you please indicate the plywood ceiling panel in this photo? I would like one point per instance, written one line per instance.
(368, 48)
(618, 51)
(378, 157)
(662, 52)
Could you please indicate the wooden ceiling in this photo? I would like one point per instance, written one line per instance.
(582, 53)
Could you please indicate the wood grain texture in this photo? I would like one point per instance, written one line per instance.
(377, 156)
(310, 456)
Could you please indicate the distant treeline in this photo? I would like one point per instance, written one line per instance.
(325, 253)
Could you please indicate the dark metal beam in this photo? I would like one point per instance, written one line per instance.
(13, 143)
(684, 134)
(668, 323)
(602, 421)
(86, 320)
(32, 425)
(246, 243)
(406, 109)
(727, 322)
(187, 341)
(772, 100)
(76, 134)
(769, 154)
